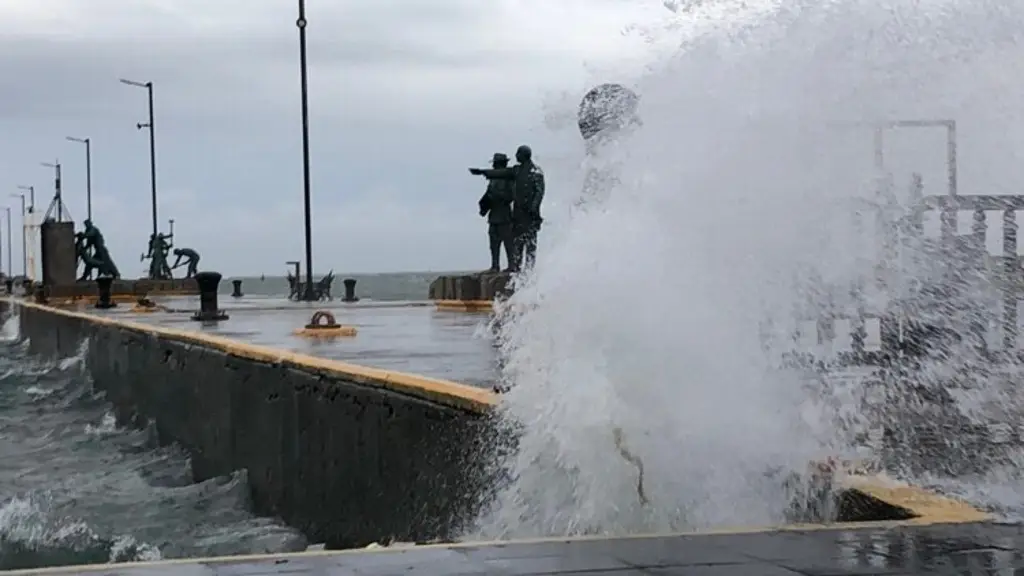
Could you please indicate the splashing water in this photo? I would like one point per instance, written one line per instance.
(642, 313)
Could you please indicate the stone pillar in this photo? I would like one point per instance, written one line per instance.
(209, 311)
(60, 263)
(104, 301)
(236, 289)
(350, 290)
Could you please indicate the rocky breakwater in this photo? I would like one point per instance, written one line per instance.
(349, 455)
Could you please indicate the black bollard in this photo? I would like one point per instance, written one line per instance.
(26, 287)
(236, 289)
(39, 291)
(9, 284)
(104, 301)
(208, 282)
(350, 290)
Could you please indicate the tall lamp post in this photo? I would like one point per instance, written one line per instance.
(308, 294)
(171, 223)
(10, 266)
(88, 173)
(152, 144)
(27, 225)
(58, 200)
(24, 225)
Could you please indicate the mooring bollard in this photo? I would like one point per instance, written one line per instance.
(350, 290)
(9, 285)
(26, 287)
(104, 301)
(236, 289)
(324, 325)
(39, 291)
(209, 311)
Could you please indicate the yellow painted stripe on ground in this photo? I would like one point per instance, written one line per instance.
(464, 305)
(929, 507)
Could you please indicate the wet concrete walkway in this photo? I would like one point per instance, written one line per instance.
(402, 336)
(982, 548)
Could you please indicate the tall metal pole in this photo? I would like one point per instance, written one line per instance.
(10, 266)
(88, 172)
(24, 236)
(171, 222)
(152, 156)
(309, 294)
(152, 145)
(58, 199)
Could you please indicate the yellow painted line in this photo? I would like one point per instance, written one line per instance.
(462, 396)
(928, 507)
(464, 305)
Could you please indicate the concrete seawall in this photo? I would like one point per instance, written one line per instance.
(349, 455)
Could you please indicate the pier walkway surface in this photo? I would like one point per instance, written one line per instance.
(410, 337)
(884, 549)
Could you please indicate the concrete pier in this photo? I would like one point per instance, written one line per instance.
(353, 455)
(349, 455)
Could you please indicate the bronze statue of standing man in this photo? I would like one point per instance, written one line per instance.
(528, 196)
(496, 205)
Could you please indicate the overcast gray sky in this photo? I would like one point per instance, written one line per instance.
(404, 95)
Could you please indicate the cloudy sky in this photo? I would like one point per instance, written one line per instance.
(404, 95)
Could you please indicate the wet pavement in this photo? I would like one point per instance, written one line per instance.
(402, 336)
(990, 549)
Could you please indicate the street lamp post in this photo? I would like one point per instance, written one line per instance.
(28, 232)
(24, 247)
(31, 197)
(88, 173)
(152, 144)
(10, 266)
(58, 200)
(171, 222)
(309, 294)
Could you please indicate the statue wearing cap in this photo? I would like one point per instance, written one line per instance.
(496, 205)
(527, 179)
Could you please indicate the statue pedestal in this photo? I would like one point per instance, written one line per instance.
(471, 291)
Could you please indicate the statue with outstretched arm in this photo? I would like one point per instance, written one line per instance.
(527, 198)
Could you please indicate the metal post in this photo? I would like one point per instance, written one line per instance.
(88, 179)
(309, 294)
(171, 221)
(88, 172)
(10, 265)
(152, 144)
(152, 155)
(25, 225)
(24, 235)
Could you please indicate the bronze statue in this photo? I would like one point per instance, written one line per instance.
(496, 205)
(529, 194)
(321, 289)
(92, 250)
(191, 260)
(82, 252)
(159, 247)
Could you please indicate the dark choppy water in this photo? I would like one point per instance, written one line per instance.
(76, 489)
